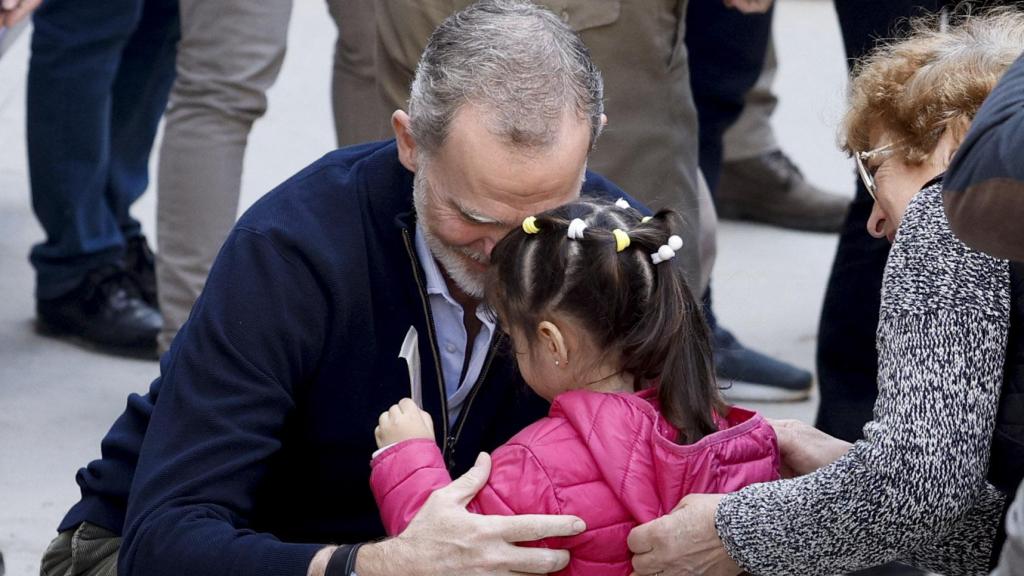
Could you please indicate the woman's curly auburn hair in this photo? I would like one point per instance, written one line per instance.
(934, 80)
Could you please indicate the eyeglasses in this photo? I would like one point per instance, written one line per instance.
(867, 175)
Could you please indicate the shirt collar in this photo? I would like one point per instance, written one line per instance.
(435, 280)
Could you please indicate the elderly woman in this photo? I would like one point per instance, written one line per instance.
(914, 489)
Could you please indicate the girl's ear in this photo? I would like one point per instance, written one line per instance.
(552, 342)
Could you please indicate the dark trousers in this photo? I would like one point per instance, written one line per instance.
(98, 82)
(727, 51)
(846, 357)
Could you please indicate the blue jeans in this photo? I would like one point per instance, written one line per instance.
(98, 82)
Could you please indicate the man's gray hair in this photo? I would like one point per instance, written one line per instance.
(516, 61)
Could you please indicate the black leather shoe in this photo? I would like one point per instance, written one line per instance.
(140, 261)
(107, 311)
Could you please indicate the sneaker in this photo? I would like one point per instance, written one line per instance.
(770, 189)
(105, 311)
(746, 375)
(140, 261)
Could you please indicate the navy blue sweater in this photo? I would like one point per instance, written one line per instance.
(256, 453)
(984, 187)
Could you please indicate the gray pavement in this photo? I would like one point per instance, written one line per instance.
(57, 400)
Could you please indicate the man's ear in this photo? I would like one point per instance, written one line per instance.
(553, 343)
(402, 125)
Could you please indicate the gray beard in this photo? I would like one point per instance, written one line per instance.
(452, 260)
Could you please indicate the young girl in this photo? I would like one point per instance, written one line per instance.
(603, 326)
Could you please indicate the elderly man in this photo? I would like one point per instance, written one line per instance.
(255, 454)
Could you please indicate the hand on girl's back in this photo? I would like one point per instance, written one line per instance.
(403, 421)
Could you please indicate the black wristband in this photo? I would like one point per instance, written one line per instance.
(343, 561)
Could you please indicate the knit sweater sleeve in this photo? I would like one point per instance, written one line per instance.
(944, 555)
(921, 465)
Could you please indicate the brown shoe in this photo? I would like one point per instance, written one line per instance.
(770, 189)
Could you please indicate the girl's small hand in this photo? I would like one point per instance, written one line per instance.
(404, 421)
(750, 6)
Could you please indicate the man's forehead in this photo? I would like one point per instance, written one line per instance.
(509, 213)
(472, 153)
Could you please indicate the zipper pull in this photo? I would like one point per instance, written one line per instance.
(449, 457)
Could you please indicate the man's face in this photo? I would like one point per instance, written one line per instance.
(476, 188)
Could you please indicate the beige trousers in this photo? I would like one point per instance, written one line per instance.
(752, 134)
(229, 55)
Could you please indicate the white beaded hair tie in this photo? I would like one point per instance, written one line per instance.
(667, 251)
(576, 228)
(622, 203)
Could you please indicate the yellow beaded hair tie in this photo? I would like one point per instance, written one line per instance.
(530, 225)
(621, 240)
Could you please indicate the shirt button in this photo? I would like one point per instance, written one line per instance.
(565, 16)
(450, 348)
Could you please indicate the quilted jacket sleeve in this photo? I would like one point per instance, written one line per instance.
(405, 474)
(403, 477)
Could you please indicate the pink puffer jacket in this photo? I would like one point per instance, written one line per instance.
(608, 458)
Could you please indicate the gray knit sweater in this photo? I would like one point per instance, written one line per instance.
(914, 488)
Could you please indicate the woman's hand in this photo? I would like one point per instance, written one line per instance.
(404, 421)
(804, 448)
(683, 542)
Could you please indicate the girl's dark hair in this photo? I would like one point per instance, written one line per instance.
(627, 303)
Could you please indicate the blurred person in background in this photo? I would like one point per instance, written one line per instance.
(229, 56)
(728, 46)
(98, 80)
(759, 182)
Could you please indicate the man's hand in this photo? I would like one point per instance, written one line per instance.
(804, 448)
(750, 6)
(445, 539)
(683, 542)
(404, 421)
(14, 11)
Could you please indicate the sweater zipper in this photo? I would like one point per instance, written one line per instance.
(454, 439)
(450, 439)
(433, 337)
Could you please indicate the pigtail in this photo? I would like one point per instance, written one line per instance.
(671, 344)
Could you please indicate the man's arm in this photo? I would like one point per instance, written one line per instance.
(226, 392)
(444, 538)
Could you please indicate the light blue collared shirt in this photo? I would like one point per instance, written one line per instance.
(451, 332)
